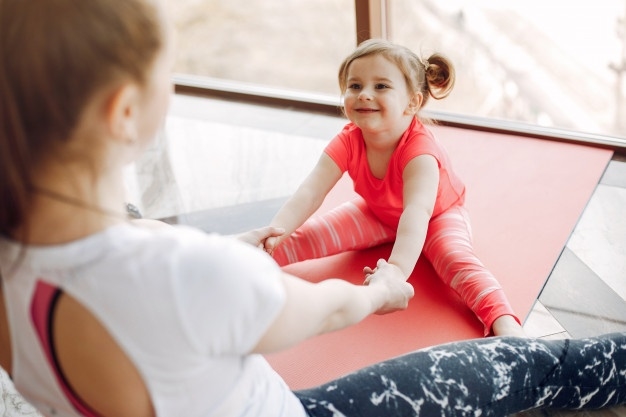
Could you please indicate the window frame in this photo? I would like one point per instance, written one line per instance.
(372, 21)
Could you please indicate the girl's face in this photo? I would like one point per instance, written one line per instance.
(377, 99)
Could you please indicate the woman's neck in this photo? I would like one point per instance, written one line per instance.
(68, 204)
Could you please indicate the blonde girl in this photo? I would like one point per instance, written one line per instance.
(408, 191)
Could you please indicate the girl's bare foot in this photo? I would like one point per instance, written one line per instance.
(507, 326)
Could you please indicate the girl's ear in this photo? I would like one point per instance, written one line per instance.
(121, 113)
(415, 103)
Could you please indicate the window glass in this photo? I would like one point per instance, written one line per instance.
(551, 63)
(289, 44)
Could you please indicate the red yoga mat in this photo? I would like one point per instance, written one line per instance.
(524, 197)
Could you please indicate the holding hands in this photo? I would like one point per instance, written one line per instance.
(271, 242)
(383, 268)
(387, 280)
(391, 276)
(260, 237)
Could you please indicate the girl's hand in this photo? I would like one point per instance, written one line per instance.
(391, 276)
(259, 237)
(389, 269)
(270, 244)
(368, 271)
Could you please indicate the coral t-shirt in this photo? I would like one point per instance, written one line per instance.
(384, 196)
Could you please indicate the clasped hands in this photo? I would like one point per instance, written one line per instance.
(258, 237)
(399, 292)
(390, 275)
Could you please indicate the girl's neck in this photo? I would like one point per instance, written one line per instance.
(386, 141)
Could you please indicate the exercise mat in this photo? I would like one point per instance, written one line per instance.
(524, 197)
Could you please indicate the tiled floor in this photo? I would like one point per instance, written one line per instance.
(265, 153)
(586, 291)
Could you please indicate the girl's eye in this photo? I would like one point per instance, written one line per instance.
(354, 87)
(381, 86)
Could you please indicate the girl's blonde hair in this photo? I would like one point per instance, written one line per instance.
(433, 77)
(55, 55)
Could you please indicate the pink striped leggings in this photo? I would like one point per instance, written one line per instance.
(448, 247)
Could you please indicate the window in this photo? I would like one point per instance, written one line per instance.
(548, 63)
(289, 44)
(551, 63)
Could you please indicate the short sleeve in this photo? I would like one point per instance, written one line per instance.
(339, 149)
(418, 143)
(227, 292)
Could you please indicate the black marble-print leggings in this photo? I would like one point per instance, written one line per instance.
(495, 376)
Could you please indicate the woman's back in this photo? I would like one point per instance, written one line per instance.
(92, 363)
(172, 315)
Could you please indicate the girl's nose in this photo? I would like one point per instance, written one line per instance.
(365, 95)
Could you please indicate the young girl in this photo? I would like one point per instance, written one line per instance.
(102, 317)
(408, 190)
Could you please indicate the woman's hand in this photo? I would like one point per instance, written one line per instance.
(391, 276)
(258, 237)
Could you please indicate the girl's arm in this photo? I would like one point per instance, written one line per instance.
(307, 198)
(315, 308)
(421, 181)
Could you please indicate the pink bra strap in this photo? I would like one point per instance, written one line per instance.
(41, 309)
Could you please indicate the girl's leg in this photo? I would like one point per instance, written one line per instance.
(448, 247)
(350, 226)
(481, 377)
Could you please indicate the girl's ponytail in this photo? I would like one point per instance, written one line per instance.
(440, 76)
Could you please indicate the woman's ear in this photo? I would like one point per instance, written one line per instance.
(415, 103)
(121, 113)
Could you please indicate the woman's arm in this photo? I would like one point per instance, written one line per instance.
(315, 308)
(6, 359)
(307, 198)
(421, 181)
